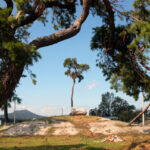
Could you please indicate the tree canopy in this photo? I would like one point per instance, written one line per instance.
(115, 107)
(123, 49)
(75, 70)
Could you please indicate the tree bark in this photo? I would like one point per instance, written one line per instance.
(6, 113)
(9, 80)
(72, 93)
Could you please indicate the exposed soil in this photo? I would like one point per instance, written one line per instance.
(73, 125)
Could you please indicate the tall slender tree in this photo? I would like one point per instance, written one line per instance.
(75, 71)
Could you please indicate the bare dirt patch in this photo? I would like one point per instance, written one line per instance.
(109, 127)
(64, 128)
(74, 125)
(27, 128)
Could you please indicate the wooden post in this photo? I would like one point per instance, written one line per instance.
(143, 119)
(139, 114)
(62, 111)
(14, 112)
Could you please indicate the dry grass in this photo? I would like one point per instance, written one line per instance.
(78, 121)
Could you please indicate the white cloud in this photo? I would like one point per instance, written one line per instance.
(48, 111)
(92, 85)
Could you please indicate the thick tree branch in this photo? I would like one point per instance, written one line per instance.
(35, 5)
(66, 33)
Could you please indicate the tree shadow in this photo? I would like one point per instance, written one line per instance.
(134, 144)
(59, 147)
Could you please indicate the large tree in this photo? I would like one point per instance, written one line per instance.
(123, 50)
(75, 71)
(16, 54)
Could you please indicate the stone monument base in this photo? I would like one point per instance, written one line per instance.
(75, 112)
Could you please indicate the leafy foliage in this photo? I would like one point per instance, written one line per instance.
(105, 106)
(112, 106)
(124, 58)
(75, 70)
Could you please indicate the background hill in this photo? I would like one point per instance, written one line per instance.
(22, 115)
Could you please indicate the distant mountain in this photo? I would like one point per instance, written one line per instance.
(23, 115)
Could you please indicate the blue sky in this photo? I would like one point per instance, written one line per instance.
(53, 88)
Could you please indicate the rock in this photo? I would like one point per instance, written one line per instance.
(75, 111)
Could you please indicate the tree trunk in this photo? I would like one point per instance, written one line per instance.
(139, 114)
(9, 78)
(6, 112)
(72, 93)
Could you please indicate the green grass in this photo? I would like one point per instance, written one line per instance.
(57, 143)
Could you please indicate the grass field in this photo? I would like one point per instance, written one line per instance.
(56, 143)
(71, 143)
